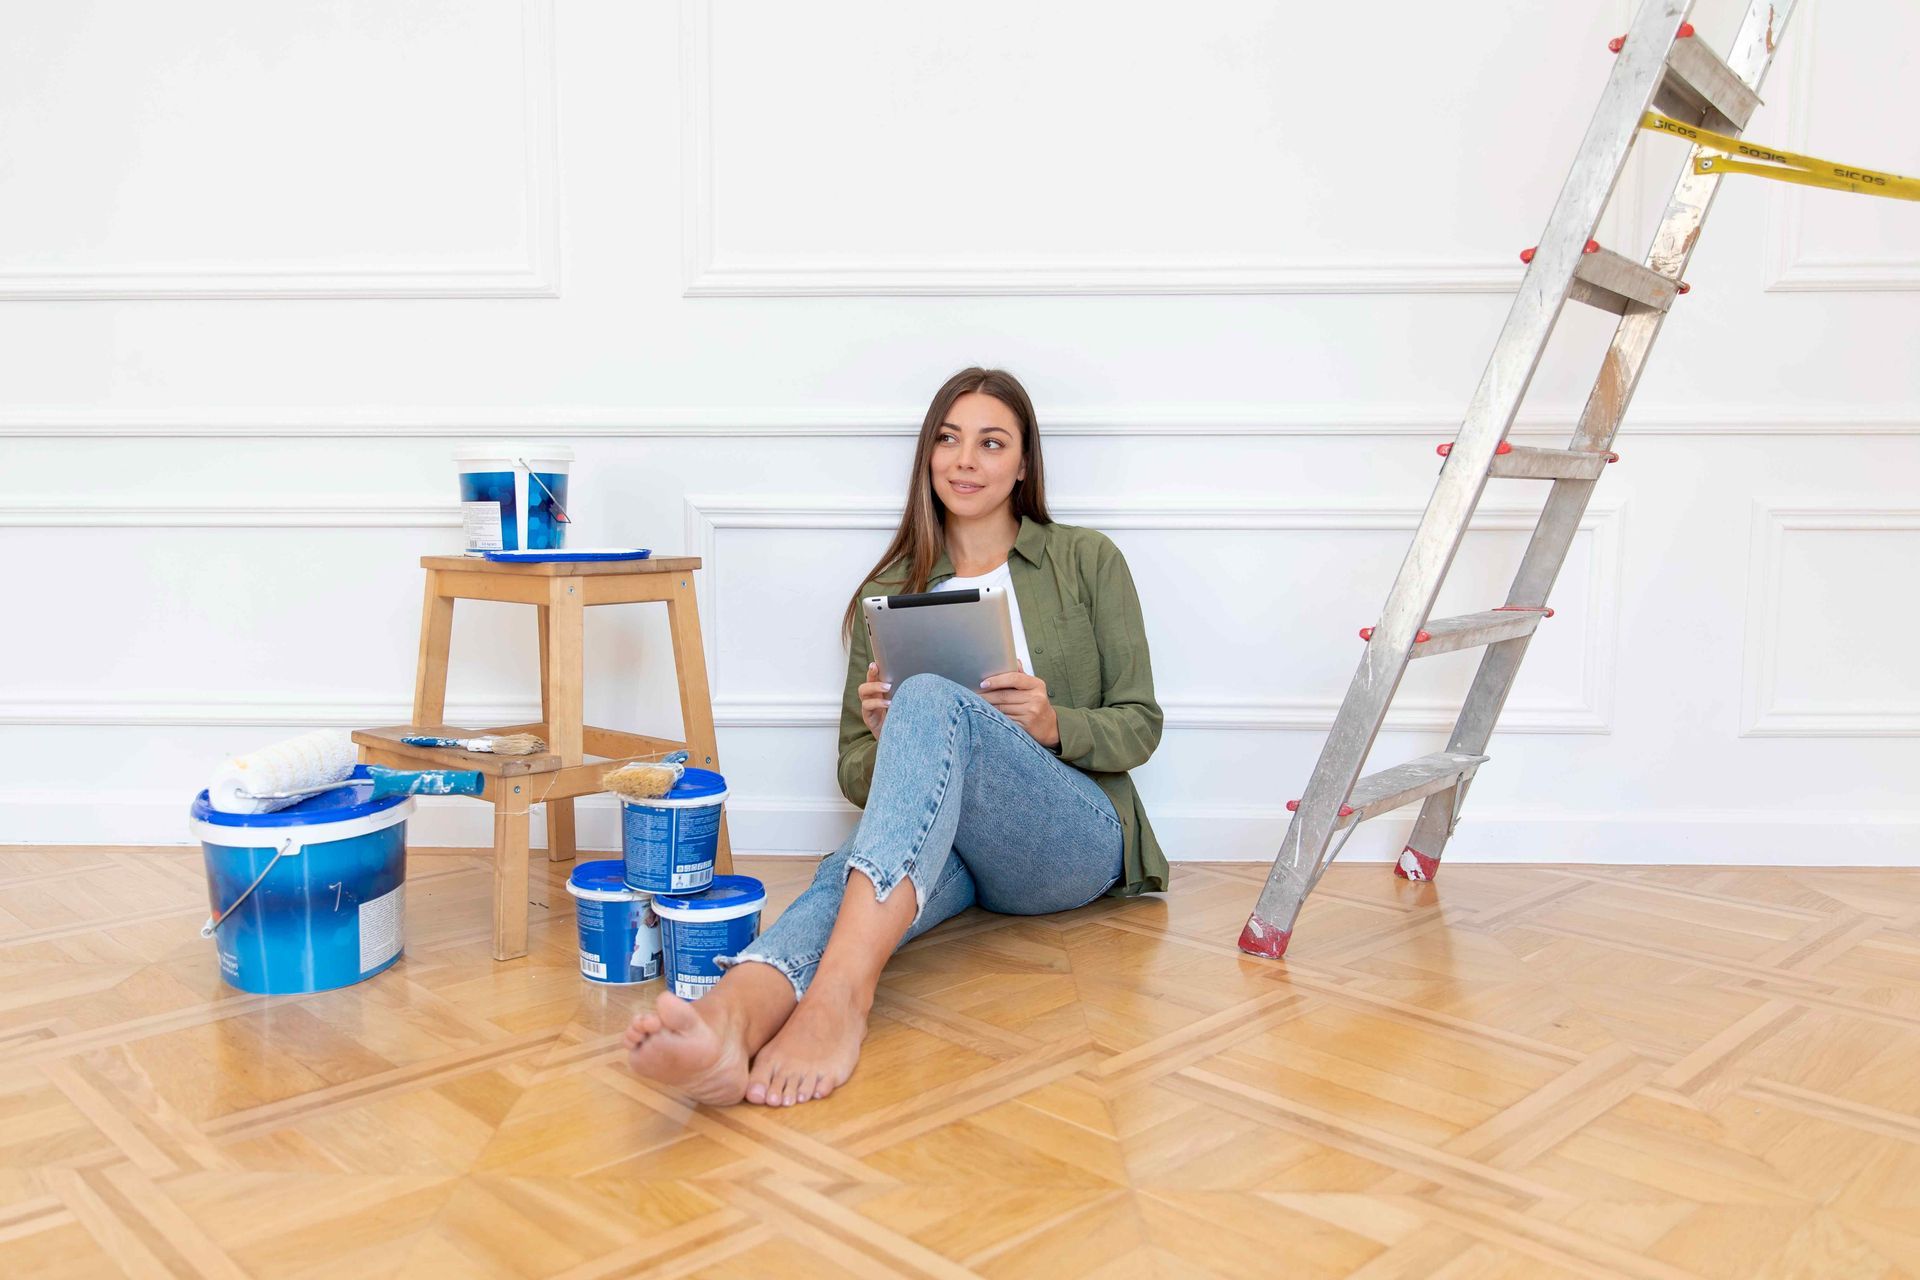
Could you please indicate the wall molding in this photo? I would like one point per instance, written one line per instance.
(1790, 270)
(347, 710)
(291, 710)
(537, 276)
(709, 273)
(307, 513)
(1762, 712)
(805, 828)
(707, 516)
(1196, 420)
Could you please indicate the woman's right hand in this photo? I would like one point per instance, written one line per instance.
(874, 699)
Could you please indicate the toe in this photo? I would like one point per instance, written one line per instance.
(675, 1014)
(760, 1078)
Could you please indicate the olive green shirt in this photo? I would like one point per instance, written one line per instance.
(1081, 614)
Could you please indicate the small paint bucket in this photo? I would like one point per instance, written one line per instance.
(513, 497)
(669, 842)
(619, 934)
(310, 897)
(696, 928)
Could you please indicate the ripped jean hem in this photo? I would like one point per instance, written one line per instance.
(884, 882)
(798, 973)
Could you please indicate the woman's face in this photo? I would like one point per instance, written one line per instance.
(977, 456)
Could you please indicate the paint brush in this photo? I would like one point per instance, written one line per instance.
(646, 779)
(498, 744)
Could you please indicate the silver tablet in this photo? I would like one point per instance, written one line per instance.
(965, 636)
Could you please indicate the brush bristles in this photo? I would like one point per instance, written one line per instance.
(515, 744)
(641, 781)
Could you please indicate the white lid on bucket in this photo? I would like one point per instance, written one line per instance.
(510, 451)
(727, 898)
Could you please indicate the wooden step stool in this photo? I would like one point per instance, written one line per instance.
(578, 753)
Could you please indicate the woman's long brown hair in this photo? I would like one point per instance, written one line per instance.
(908, 560)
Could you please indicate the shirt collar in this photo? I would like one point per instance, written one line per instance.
(1030, 544)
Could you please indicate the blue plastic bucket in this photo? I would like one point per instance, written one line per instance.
(310, 897)
(513, 497)
(669, 842)
(619, 934)
(695, 928)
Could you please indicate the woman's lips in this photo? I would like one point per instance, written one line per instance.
(961, 487)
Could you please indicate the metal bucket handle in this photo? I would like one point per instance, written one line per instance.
(290, 848)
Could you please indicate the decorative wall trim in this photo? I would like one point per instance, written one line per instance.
(308, 513)
(538, 276)
(84, 707)
(1790, 270)
(346, 710)
(802, 827)
(706, 516)
(710, 274)
(1200, 420)
(1762, 713)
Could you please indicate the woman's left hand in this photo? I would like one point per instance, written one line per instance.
(1023, 699)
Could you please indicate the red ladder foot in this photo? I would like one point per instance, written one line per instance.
(1259, 939)
(1415, 865)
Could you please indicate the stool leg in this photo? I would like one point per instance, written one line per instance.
(565, 674)
(509, 875)
(561, 845)
(696, 703)
(436, 638)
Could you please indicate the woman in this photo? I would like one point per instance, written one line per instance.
(1014, 796)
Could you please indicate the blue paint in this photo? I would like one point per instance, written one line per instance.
(696, 928)
(330, 911)
(619, 933)
(425, 782)
(669, 842)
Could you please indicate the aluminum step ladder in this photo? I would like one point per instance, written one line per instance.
(1659, 64)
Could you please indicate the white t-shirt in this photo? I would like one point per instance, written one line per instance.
(1003, 579)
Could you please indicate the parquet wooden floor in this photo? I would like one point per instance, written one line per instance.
(1515, 1072)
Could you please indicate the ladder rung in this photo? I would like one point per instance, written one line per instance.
(1696, 81)
(1383, 792)
(1524, 463)
(1444, 635)
(1613, 282)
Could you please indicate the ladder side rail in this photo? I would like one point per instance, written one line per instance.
(1750, 57)
(1637, 73)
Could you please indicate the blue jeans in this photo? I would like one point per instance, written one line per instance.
(966, 807)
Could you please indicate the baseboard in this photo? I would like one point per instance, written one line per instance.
(807, 827)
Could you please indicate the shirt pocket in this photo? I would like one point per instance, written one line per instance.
(1078, 656)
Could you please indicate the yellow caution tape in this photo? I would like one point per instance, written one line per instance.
(1783, 166)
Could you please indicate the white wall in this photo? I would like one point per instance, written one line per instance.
(264, 265)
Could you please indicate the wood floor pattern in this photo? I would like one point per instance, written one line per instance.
(1516, 1072)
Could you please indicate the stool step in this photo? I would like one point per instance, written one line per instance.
(387, 739)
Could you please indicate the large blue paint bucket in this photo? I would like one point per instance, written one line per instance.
(698, 928)
(513, 497)
(310, 897)
(668, 843)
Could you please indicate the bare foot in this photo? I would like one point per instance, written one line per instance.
(814, 1053)
(695, 1049)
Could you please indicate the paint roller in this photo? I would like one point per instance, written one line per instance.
(288, 772)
